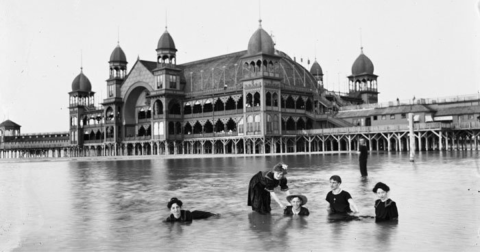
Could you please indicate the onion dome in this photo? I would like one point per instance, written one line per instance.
(166, 42)
(362, 65)
(118, 56)
(81, 83)
(260, 42)
(316, 69)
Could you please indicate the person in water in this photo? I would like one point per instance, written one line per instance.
(262, 185)
(297, 202)
(341, 201)
(179, 215)
(363, 156)
(385, 208)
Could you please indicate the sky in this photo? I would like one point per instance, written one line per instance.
(426, 49)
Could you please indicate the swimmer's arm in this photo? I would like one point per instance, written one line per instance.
(353, 206)
(274, 196)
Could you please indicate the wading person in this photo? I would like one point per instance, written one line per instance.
(297, 202)
(363, 156)
(179, 215)
(341, 201)
(385, 208)
(261, 188)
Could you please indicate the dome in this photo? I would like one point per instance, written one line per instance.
(81, 83)
(118, 55)
(166, 42)
(316, 69)
(261, 42)
(362, 65)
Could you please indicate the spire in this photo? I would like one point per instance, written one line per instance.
(259, 13)
(118, 35)
(166, 20)
(361, 41)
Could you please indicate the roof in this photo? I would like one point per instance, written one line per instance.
(118, 55)
(260, 42)
(316, 69)
(150, 65)
(9, 124)
(362, 65)
(458, 110)
(383, 111)
(166, 42)
(81, 83)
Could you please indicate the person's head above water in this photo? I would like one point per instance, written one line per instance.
(335, 182)
(174, 201)
(295, 199)
(279, 170)
(381, 186)
(336, 178)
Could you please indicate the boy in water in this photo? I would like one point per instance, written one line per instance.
(340, 201)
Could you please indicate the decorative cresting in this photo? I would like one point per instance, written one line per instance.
(81, 83)
(362, 65)
(260, 42)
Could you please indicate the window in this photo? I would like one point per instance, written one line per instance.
(159, 82)
(404, 116)
(250, 124)
(173, 81)
(374, 118)
(257, 123)
(470, 117)
(392, 117)
(384, 117)
(110, 90)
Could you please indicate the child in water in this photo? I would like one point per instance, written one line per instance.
(385, 208)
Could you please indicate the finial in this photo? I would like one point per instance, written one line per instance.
(260, 23)
(81, 60)
(166, 19)
(118, 35)
(260, 13)
(361, 49)
(361, 41)
(138, 57)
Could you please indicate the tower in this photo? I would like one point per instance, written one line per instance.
(261, 87)
(113, 103)
(81, 98)
(362, 82)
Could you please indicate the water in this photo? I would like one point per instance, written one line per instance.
(120, 205)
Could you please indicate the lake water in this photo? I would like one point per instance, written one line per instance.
(120, 205)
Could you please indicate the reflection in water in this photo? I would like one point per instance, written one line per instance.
(121, 205)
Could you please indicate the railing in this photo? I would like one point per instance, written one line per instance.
(422, 101)
(22, 145)
(93, 141)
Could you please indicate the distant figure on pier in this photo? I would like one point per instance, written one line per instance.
(261, 188)
(297, 201)
(179, 215)
(363, 152)
(341, 202)
(385, 208)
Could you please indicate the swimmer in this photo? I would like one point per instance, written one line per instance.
(341, 201)
(179, 215)
(297, 202)
(385, 208)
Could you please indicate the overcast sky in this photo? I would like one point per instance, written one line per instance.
(419, 48)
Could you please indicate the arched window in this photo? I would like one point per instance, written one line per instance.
(256, 99)
(208, 127)
(290, 104)
(300, 103)
(197, 108)
(290, 124)
(240, 103)
(219, 126)
(219, 106)
(174, 107)
(197, 128)
(249, 101)
(109, 114)
(187, 129)
(187, 109)
(208, 106)
(141, 114)
(178, 128)
(269, 124)
(275, 123)
(230, 105)
(268, 99)
(142, 131)
(300, 124)
(275, 100)
(158, 107)
(231, 126)
(308, 105)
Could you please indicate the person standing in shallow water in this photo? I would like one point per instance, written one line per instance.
(261, 188)
(363, 151)
(341, 201)
(385, 208)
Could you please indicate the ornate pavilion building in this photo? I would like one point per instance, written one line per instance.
(254, 101)
(245, 102)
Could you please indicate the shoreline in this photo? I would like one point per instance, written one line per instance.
(151, 157)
